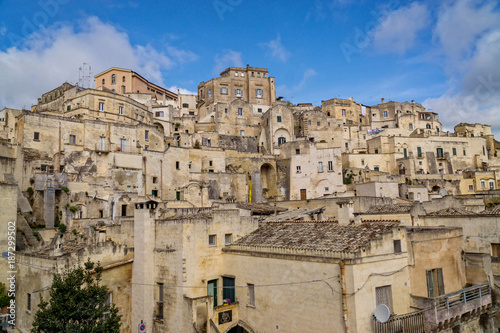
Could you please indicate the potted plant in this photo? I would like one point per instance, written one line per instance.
(226, 301)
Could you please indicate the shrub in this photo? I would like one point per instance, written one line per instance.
(62, 227)
(65, 189)
(30, 190)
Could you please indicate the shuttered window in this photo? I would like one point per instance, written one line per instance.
(435, 283)
(384, 296)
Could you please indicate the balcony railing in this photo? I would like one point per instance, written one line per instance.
(451, 307)
(408, 323)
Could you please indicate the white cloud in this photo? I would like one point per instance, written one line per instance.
(228, 58)
(3, 30)
(181, 90)
(53, 55)
(276, 49)
(460, 23)
(469, 40)
(398, 31)
(288, 93)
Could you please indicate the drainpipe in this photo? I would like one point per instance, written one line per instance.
(161, 180)
(344, 296)
(145, 177)
(59, 152)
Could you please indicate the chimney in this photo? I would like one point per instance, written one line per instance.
(383, 100)
(412, 101)
(345, 211)
(351, 99)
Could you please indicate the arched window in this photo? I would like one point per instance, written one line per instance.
(113, 79)
(428, 126)
(103, 81)
(281, 140)
(123, 78)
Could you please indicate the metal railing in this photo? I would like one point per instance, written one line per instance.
(406, 323)
(461, 297)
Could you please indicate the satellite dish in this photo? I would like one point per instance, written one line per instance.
(443, 192)
(382, 313)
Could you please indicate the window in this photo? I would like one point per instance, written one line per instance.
(120, 110)
(251, 294)
(212, 240)
(376, 168)
(185, 105)
(72, 139)
(259, 93)
(154, 193)
(376, 151)
(418, 196)
(242, 133)
(103, 81)
(124, 207)
(320, 166)
(439, 152)
(259, 110)
(309, 123)
(330, 165)
(101, 106)
(123, 78)
(278, 119)
(405, 152)
(228, 289)
(347, 145)
(465, 153)
(471, 187)
(327, 189)
(159, 314)
(113, 79)
(101, 213)
(484, 151)
(210, 163)
(228, 239)
(297, 151)
(146, 135)
(435, 284)
(209, 93)
(383, 295)
(319, 123)
(454, 150)
(155, 180)
(410, 126)
(240, 112)
(397, 246)
(419, 152)
(212, 290)
(177, 165)
(123, 88)
(281, 140)
(238, 92)
(362, 162)
(495, 250)
(343, 112)
(68, 108)
(123, 144)
(29, 302)
(142, 118)
(428, 126)
(298, 169)
(158, 114)
(225, 110)
(483, 184)
(491, 184)
(385, 114)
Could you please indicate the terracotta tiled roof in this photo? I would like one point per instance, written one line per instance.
(389, 209)
(491, 211)
(452, 211)
(294, 214)
(315, 235)
(262, 209)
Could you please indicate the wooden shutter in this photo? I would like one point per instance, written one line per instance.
(430, 284)
(440, 281)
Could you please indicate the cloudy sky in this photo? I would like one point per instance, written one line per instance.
(443, 54)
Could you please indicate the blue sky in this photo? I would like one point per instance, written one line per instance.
(443, 54)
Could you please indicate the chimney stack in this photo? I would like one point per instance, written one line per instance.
(383, 100)
(345, 211)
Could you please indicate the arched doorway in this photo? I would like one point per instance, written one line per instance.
(268, 181)
(237, 329)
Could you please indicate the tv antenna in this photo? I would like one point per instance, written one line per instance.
(84, 76)
(382, 313)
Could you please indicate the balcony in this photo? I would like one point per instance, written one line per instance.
(410, 322)
(207, 318)
(102, 148)
(444, 311)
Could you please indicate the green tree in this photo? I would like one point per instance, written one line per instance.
(77, 304)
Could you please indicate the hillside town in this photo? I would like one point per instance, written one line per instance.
(235, 210)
